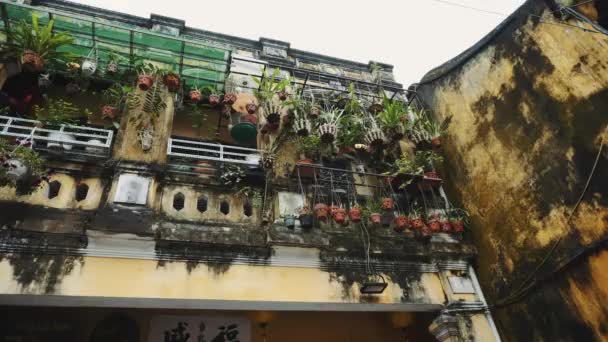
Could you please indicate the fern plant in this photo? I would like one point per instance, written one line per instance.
(58, 112)
(144, 114)
(36, 44)
(392, 117)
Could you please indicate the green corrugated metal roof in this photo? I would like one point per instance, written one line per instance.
(198, 64)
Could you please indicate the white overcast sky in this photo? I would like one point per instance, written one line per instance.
(412, 35)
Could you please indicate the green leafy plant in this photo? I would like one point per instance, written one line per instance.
(269, 85)
(35, 44)
(251, 194)
(58, 112)
(13, 158)
(310, 146)
(352, 131)
(353, 106)
(230, 175)
(428, 160)
(145, 114)
(116, 94)
(331, 116)
(392, 117)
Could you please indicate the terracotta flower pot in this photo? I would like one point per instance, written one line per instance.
(446, 226)
(229, 98)
(400, 223)
(196, 95)
(314, 112)
(355, 214)
(172, 82)
(417, 223)
(32, 61)
(375, 218)
(108, 112)
(251, 108)
(332, 209)
(112, 68)
(282, 95)
(339, 215)
(434, 225)
(388, 203)
(214, 100)
(436, 142)
(458, 226)
(321, 210)
(144, 82)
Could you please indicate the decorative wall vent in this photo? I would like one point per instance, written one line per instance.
(178, 201)
(201, 204)
(54, 188)
(248, 209)
(132, 189)
(82, 190)
(224, 207)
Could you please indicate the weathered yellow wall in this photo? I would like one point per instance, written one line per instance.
(132, 278)
(66, 197)
(529, 110)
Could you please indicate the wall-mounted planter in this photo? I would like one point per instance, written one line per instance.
(302, 127)
(328, 133)
(375, 138)
(273, 118)
(144, 82)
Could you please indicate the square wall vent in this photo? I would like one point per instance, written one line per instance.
(132, 189)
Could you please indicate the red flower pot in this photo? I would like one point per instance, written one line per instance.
(144, 82)
(417, 223)
(108, 112)
(229, 98)
(172, 82)
(400, 223)
(436, 142)
(434, 225)
(196, 96)
(339, 215)
(321, 210)
(431, 174)
(214, 100)
(388, 203)
(458, 226)
(249, 118)
(251, 108)
(332, 209)
(355, 214)
(446, 226)
(32, 61)
(375, 218)
(425, 234)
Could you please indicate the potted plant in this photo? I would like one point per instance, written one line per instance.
(113, 61)
(391, 118)
(446, 224)
(416, 220)
(230, 175)
(330, 121)
(290, 220)
(459, 219)
(33, 45)
(401, 223)
(306, 217)
(251, 107)
(272, 113)
(388, 204)
(60, 112)
(355, 213)
(114, 97)
(375, 137)
(143, 115)
(21, 167)
(73, 67)
(301, 125)
(171, 80)
(146, 75)
(321, 211)
(195, 95)
(429, 160)
(339, 215)
(434, 223)
(269, 85)
(352, 132)
(89, 65)
(435, 129)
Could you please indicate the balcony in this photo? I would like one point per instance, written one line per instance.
(192, 157)
(78, 143)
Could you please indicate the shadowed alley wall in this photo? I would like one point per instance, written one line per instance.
(530, 106)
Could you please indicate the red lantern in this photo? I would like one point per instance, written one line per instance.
(355, 214)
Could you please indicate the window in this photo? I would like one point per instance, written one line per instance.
(224, 207)
(54, 188)
(82, 190)
(178, 201)
(201, 204)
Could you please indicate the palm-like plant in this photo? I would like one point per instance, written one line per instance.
(436, 129)
(330, 123)
(35, 44)
(268, 86)
(392, 117)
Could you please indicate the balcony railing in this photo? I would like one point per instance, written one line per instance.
(196, 157)
(67, 141)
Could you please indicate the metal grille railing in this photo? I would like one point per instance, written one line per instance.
(67, 141)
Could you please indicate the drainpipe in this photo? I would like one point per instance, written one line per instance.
(485, 304)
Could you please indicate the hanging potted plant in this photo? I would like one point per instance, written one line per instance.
(306, 217)
(446, 224)
(33, 45)
(89, 65)
(113, 61)
(321, 211)
(375, 137)
(459, 219)
(251, 107)
(73, 67)
(114, 98)
(146, 75)
(330, 121)
(314, 110)
(339, 215)
(272, 113)
(391, 118)
(429, 160)
(401, 223)
(388, 204)
(230, 175)
(416, 220)
(434, 223)
(435, 130)
(21, 167)
(308, 148)
(355, 213)
(171, 80)
(143, 115)
(195, 95)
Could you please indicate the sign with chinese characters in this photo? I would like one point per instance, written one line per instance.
(199, 329)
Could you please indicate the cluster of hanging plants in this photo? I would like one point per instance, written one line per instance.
(21, 167)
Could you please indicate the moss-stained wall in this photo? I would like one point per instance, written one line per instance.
(530, 107)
